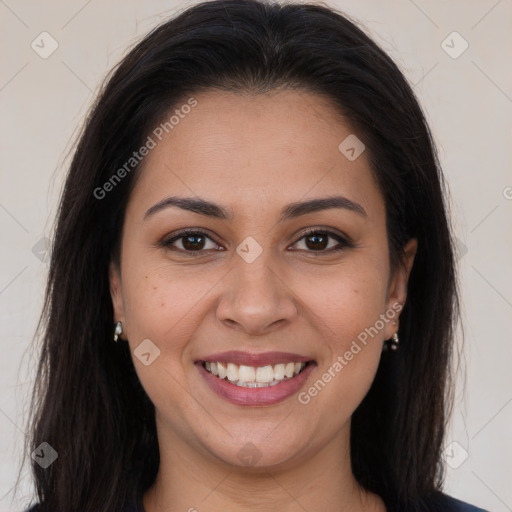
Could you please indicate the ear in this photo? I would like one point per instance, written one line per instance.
(116, 292)
(397, 293)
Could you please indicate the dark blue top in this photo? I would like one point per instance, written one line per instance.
(443, 503)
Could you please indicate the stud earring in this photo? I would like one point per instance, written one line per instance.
(392, 344)
(118, 331)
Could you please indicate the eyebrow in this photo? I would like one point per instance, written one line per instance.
(290, 211)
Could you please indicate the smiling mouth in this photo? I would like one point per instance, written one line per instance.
(255, 376)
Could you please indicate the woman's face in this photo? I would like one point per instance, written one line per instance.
(254, 289)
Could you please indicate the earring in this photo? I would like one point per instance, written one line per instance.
(392, 344)
(118, 331)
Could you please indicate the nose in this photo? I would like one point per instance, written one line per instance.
(256, 298)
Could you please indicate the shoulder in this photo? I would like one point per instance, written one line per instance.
(441, 502)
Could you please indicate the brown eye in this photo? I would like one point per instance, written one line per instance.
(190, 241)
(193, 242)
(317, 241)
(323, 242)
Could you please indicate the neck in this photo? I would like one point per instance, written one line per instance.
(191, 480)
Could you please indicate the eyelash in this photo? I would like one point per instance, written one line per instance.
(343, 242)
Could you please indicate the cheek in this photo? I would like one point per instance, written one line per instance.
(160, 303)
(345, 300)
(347, 312)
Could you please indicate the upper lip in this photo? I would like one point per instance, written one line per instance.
(252, 359)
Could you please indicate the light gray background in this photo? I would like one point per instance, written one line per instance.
(468, 101)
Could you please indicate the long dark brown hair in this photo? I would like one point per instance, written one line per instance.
(88, 403)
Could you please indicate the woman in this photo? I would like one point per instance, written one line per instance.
(252, 276)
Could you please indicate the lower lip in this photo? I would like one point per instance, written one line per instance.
(255, 396)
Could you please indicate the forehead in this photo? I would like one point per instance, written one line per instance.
(244, 148)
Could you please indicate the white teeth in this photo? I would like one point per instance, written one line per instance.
(247, 373)
(279, 371)
(265, 374)
(289, 370)
(232, 373)
(254, 377)
(222, 370)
